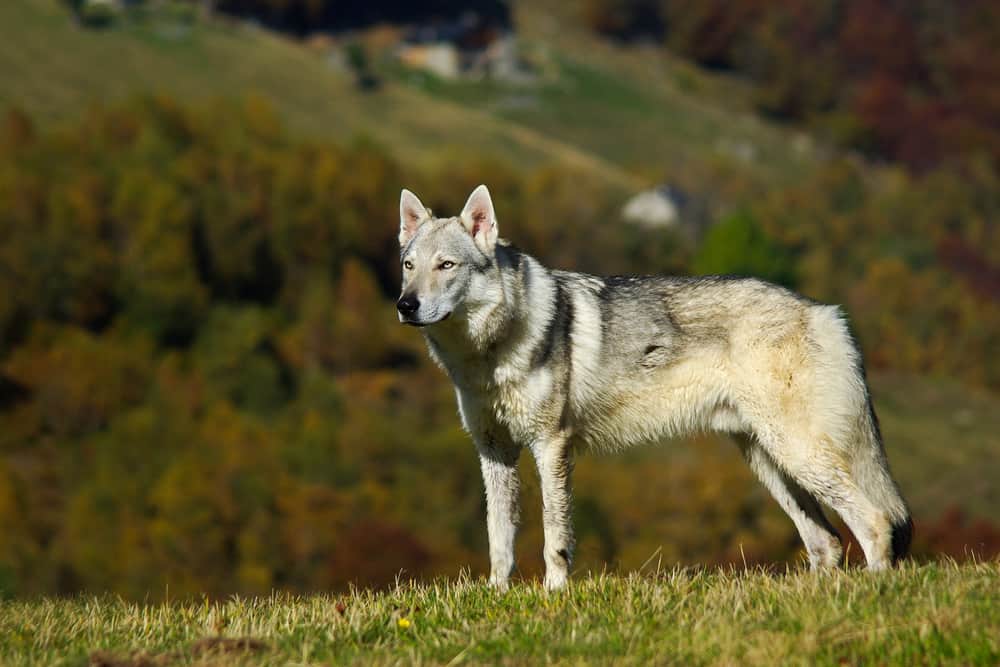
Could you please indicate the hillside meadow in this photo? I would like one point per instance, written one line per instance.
(198, 62)
(218, 446)
(203, 385)
(940, 613)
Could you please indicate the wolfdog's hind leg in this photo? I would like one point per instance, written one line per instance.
(827, 479)
(821, 540)
(870, 525)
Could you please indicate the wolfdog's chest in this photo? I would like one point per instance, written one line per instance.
(524, 404)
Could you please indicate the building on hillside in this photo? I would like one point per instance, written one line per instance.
(668, 207)
(472, 46)
(438, 58)
(656, 207)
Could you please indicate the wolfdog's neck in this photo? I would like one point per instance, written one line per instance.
(482, 326)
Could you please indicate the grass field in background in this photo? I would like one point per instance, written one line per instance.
(932, 614)
(54, 69)
(635, 107)
(627, 116)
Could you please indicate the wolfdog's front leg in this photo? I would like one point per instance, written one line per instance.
(499, 466)
(555, 465)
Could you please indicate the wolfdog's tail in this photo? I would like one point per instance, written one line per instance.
(845, 385)
(871, 469)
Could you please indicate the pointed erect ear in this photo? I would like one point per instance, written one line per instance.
(412, 214)
(479, 218)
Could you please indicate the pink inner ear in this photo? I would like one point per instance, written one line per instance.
(479, 222)
(411, 220)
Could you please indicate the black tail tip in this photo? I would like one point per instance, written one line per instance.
(902, 535)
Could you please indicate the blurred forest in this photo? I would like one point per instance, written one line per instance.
(909, 80)
(204, 388)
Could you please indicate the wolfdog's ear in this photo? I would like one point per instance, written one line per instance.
(479, 218)
(412, 214)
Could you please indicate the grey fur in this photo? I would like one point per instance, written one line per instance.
(555, 361)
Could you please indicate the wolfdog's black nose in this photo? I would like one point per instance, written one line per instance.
(407, 304)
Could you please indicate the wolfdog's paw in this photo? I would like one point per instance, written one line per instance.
(879, 565)
(555, 581)
(500, 584)
(825, 552)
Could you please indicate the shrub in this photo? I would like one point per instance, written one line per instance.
(98, 13)
(738, 245)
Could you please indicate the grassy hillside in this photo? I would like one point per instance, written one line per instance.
(53, 68)
(635, 107)
(627, 116)
(933, 614)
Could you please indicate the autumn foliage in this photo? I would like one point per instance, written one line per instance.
(911, 81)
(203, 386)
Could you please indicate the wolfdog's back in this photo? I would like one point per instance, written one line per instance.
(743, 356)
(712, 353)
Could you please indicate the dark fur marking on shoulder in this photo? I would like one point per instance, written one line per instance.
(570, 317)
(554, 329)
(604, 303)
(508, 257)
(567, 342)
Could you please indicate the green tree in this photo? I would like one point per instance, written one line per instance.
(738, 245)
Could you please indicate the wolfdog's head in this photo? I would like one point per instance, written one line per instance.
(447, 263)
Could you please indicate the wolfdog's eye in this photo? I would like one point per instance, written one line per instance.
(408, 265)
(447, 265)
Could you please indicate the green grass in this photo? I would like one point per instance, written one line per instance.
(932, 614)
(628, 116)
(54, 69)
(635, 107)
(642, 127)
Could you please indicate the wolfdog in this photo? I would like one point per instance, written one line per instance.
(554, 361)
